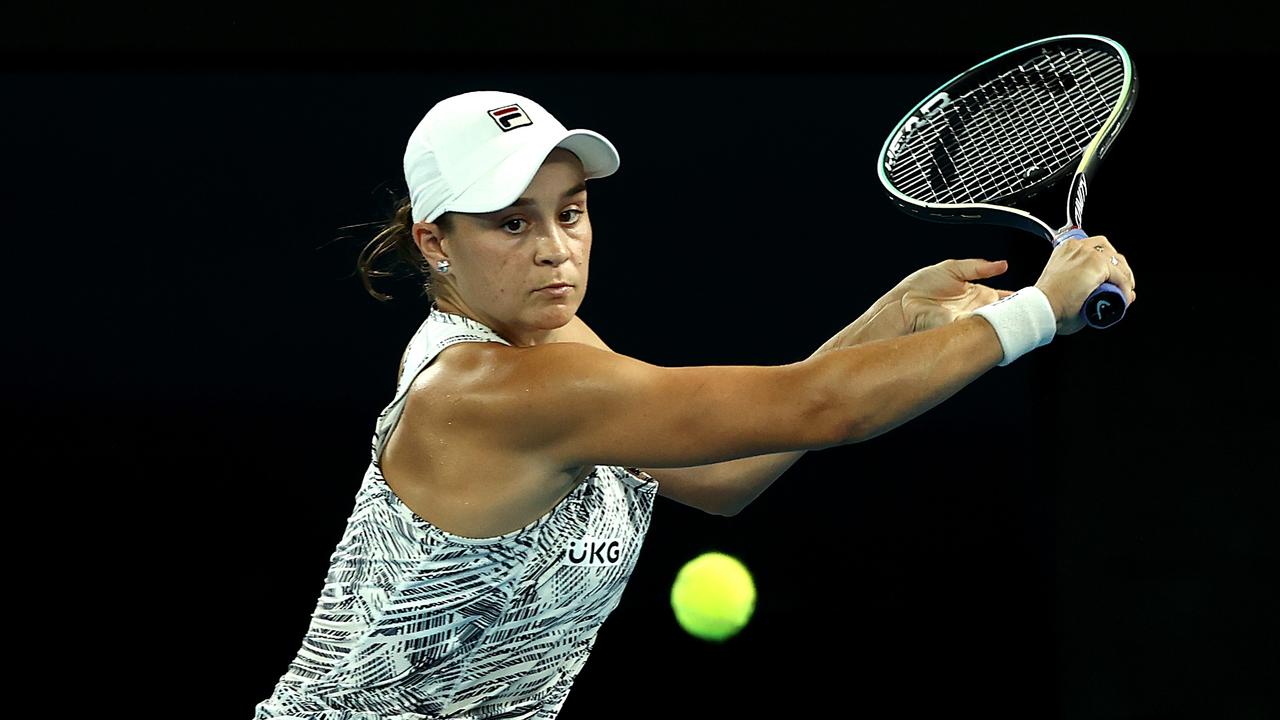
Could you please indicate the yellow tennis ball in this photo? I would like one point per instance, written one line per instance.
(713, 596)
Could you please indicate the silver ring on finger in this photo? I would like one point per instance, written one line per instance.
(1114, 261)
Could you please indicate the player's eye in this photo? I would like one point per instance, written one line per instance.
(508, 224)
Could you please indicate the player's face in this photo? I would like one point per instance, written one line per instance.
(500, 259)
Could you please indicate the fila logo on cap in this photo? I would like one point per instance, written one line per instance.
(510, 117)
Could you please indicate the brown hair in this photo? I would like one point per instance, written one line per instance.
(395, 238)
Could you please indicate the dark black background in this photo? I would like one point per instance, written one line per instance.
(1086, 533)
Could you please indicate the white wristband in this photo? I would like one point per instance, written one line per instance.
(1023, 321)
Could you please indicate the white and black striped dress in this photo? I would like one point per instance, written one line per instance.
(414, 622)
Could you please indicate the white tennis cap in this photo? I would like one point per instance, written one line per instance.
(476, 152)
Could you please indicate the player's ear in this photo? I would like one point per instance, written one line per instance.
(428, 236)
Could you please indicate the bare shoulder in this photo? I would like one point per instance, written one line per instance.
(474, 361)
(451, 469)
(440, 395)
(499, 395)
(459, 363)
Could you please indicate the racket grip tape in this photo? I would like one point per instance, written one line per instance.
(1106, 304)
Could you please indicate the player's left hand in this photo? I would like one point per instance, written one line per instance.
(936, 295)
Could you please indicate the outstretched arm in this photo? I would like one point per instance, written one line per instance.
(930, 297)
(725, 488)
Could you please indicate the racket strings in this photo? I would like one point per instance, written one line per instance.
(994, 125)
(1011, 131)
(1001, 147)
(1021, 132)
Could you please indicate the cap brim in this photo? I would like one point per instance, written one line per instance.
(504, 185)
(599, 156)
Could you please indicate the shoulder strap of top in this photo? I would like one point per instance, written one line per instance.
(438, 331)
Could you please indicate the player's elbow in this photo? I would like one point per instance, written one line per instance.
(717, 508)
(728, 509)
(835, 423)
(856, 430)
(832, 411)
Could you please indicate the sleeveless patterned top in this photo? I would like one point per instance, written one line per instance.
(414, 622)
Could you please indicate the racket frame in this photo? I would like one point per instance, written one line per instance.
(990, 213)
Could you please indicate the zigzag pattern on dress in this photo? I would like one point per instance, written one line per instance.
(414, 622)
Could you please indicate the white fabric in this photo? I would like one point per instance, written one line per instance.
(476, 152)
(1023, 321)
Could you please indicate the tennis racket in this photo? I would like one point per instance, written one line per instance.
(1009, 129)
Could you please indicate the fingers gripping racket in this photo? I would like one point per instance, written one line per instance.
(1008, 129)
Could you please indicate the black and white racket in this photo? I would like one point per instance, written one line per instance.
(979, 148)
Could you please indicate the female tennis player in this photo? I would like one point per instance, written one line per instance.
(512, 476)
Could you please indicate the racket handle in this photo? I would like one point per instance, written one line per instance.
(1106, 305)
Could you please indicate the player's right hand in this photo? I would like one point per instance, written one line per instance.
(1075, 269)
